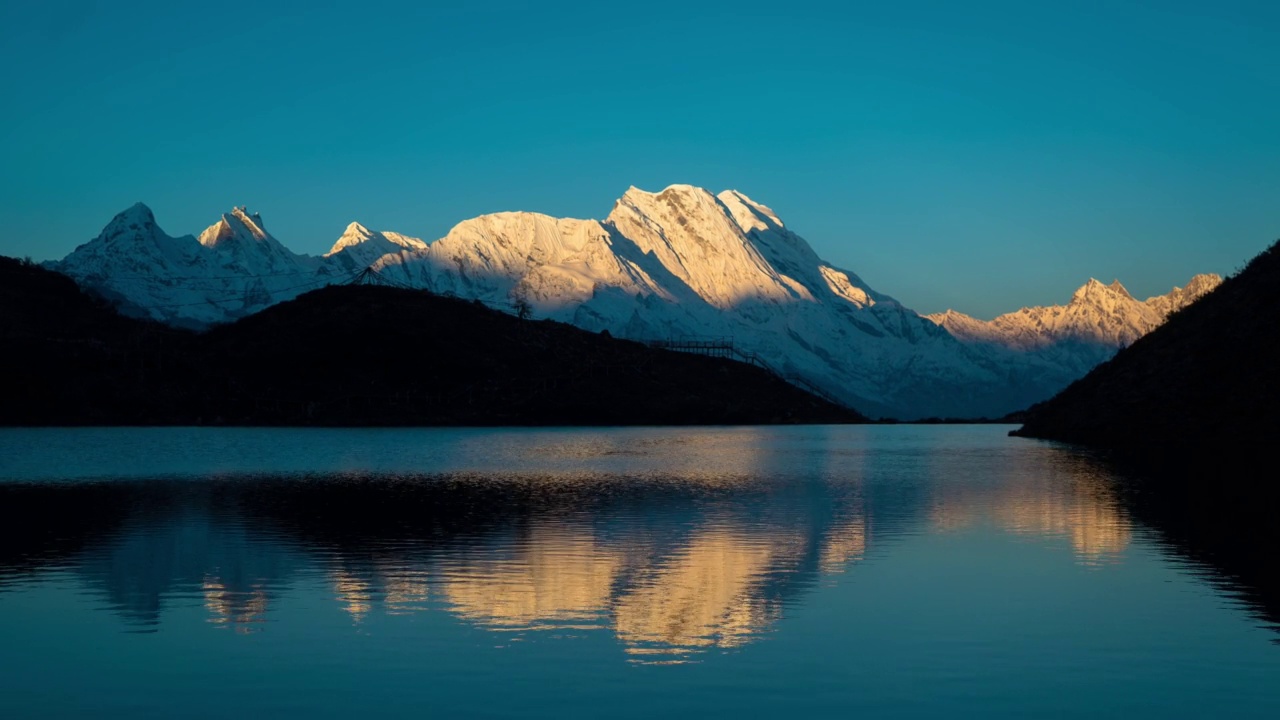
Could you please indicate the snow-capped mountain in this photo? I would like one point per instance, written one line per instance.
(677, 263)
(1098, 321)
(233, 269)
(359, 247)
(684, 262)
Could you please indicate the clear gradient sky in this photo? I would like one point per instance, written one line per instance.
(980, 155)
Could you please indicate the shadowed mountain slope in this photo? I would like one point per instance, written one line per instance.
(357, 355)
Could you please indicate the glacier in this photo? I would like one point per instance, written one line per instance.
(678, 263)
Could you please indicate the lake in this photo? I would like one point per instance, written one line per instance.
(833, 571)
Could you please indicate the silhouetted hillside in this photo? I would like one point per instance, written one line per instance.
(356, 355)
(1203, 386)
(67, 357)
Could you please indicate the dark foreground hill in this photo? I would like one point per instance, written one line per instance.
(356, 355)
(1202, 387)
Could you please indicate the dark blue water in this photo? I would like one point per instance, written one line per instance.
(887, 571)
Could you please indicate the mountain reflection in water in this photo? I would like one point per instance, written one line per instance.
(705, 547)
(1053, 496)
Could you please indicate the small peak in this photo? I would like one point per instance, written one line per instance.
(1096, 290)
(1204, 282)
(237, 224)
(137, 213)
(634, 192)
(1116, 287)
(632, 196)
(944, 317)
(683, 190)
(136, 216)
(1090, 289)
(355, 234)
(243, 215)
(252, 222)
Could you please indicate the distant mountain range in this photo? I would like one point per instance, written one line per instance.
(1099, 320)
(678, 263)
(1203, 384)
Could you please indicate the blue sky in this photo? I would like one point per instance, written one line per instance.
(981, 156)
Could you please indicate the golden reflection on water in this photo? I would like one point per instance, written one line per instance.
(240, 610)
(717, 573)
(1037, 500)
(703, 594)
(844, 546)
(407, 591)
(712, 590)
(354, 594)
(560, 575)
(706, 595)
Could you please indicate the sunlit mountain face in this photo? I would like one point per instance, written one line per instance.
(704, 551)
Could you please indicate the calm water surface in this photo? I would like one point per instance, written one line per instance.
(890, 571)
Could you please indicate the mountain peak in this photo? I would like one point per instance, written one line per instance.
(685, 191)
(243, 215)
(678, 190)
(136, 214)
(693, 209)
(136, 222)
(684, 188)
(355, 234)
(237, 225)
(679, 199)
(1087, 289)
(372, 244)
(1203, 283)
(138, 209)
(1095, 290)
